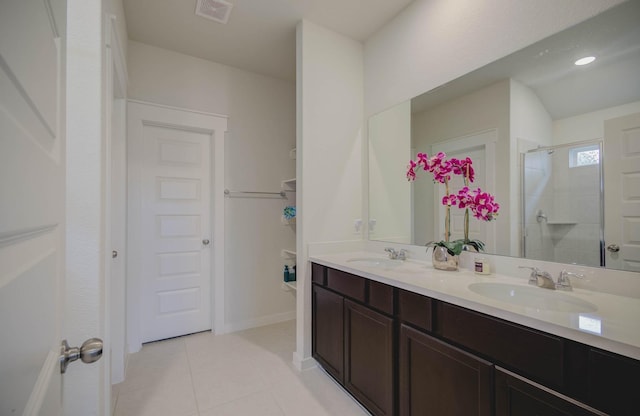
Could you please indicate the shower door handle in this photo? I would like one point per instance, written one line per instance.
(614, 248)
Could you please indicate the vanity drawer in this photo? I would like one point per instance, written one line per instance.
(318, 274)
(346, 284)
(534, 354)
(381, 297)
(415, 309)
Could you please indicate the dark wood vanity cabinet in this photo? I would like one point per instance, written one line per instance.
(399, 352)
(353, 340)
(369, 357)
(438, 379)
(328, 331)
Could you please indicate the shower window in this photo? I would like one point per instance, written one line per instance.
(584, 156)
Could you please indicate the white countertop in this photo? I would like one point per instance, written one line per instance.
(614, 326)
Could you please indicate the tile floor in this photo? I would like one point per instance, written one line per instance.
(244, 373)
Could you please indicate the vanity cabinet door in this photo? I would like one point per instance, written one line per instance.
(517, 396)
(328, 331)
(438, 379)
(369, 357)
(613, 383)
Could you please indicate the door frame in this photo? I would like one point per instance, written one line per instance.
(216, 126)
(116, 81)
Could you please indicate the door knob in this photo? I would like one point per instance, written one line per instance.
(205, 242)
(114, 254)
(614, 248)
(89, 352)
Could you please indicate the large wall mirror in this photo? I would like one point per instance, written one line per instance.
(557, 144)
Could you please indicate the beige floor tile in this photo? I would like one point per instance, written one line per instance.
(262, 404)
(170, 400)
(243, 373)
(317, 393)
(227, 383)
(213, 351)
(156, 366)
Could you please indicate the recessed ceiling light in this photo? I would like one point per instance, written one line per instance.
(586, 60)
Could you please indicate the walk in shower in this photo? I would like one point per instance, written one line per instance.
(563, 204)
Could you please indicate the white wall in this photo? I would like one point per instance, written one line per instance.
(435, 41)
(261, 114)
(389, 191)
(589, 126)
(329, 129)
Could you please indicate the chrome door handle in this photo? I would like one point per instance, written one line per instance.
(205, 242)
(89, 352)
(614, 248)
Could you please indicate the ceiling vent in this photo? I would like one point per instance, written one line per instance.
(216, 10)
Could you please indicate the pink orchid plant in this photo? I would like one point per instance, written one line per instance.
(481, 204)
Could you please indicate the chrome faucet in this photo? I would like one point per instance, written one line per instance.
(396, 255)
(564, 283)
(540, 278)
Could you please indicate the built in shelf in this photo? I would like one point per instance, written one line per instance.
(561, 222)
(289, 184)
(289, 286)
(288, 253)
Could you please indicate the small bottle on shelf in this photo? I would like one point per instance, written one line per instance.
(292, 274)
(287, 274)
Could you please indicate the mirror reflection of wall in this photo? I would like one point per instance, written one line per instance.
(390, 199)
(533, 98)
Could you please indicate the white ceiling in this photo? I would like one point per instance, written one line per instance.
(260, 34)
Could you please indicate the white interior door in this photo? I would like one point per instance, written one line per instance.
(480, 147)
(32, 209)
(170, 220)
(477, 229)
(622, 192)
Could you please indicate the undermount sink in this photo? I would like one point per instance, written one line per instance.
(375, 262)
(533, 297)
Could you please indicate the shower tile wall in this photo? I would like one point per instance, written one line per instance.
(569, 198)
(576, 202)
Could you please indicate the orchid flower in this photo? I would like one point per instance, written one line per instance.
(481, 204)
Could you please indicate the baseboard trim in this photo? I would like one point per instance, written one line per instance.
(302, 364)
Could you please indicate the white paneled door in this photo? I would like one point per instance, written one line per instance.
(32, 195)
(622, 197)
(480, 147)
(171, 221)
